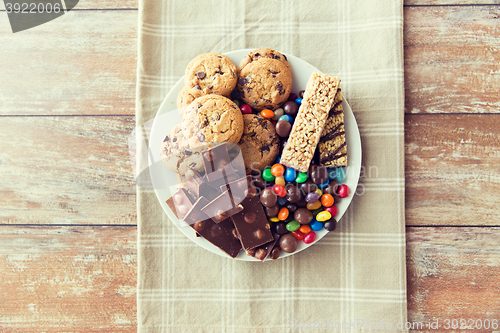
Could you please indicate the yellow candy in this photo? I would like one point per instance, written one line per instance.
(280, 180)
(323, 216)
(274, 219)
(319, 192)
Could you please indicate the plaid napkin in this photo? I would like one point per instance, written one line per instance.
(354, 279)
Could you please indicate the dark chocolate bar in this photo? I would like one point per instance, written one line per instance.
(262, 252)
(223, 235)
(217, 162)
(251, 224)
(222, 208)
(180, 203)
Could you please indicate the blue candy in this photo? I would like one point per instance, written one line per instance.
(298, 101)
(340, 175)
(290, 174)
(325, 184)
(282, 201)
(286, 117)
(278, 159)
(316, 225)
(332, 173)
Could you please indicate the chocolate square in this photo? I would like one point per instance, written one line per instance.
(262, 252)
(180, 203)
(222, 208)
(217, 162)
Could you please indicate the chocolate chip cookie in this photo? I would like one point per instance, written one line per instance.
(186, 96)
(263, 53)
(211, 73)
(265, 83)
(180, 152)
(259, 144)
(214, 118)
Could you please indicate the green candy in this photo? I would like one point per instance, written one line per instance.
(301, 177)
(267, 175)
(292, 226)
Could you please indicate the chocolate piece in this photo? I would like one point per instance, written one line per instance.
(303, 215)
(275, 253)
(263, 252)
(268, 198)
(291, 207)
(331, 224)
(283, 128)
(222, 208)
(331, 188)
(291, 108)
(308, 186)
(288, 243)
(293, 194)
(239, 189)
(272, 211)
(280, 228)
(223, 234)
(217, 162)
(180, 203)
(319, 174)
(258, 182)
(252, 225)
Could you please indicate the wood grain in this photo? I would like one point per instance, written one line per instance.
(68, 279)
(96, 4)
(78, 64)
(452, 59)
(66, 170)
(452, 169)
(453, 273)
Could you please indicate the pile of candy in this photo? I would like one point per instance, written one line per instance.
(297, 204)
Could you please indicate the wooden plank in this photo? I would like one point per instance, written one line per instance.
(68, 279)
(452, 169)
(449, 2)
(98, 4)
(453, 273)
(78, 64)
(66, 170)
(452, 57)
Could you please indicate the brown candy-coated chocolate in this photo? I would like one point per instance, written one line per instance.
(319, 174)
(279, 228)
(307, 187)
(303, 215)
(283, 128)
(291, 207)
(268, 198)
(331, 188)
(288, 243)
(258, 182)
(293, 194)
(272, 211)
(275, 253)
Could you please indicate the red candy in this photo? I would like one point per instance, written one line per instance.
(279, 190)
(310, 237)
(298, 235)
(343, 191)
(332, 210)
(246, 109)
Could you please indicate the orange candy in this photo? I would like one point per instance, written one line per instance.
(277, 170)
(266, 113)
(305, 229)
(327, 200)
(283, 214)
(313, 205)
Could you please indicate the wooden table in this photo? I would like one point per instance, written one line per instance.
(68, 258)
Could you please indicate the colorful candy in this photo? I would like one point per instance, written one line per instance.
(340, 175)
(325, 184)
(280, 180)
(267, 175)
(323, 216)
(279, 190)
(305, 228)
(312, 197)
(283, 214)
(246, 109)
(274, 219)
(266, 113)
(277, 114)
(290, 174)
(327, 200)
(316, 225)
(333, 210)
(237, 102)
(286, 117)
(292, 226)
(298, 235)
(343, 191)
(298, 100)
(310, 237)
(277, 170)
(313, 205)
(301, 177)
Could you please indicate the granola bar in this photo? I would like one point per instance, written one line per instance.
(332, 145)
(319, 96)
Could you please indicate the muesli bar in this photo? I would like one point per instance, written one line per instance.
(319, 97)
(332, 145)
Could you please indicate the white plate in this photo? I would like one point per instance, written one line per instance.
(167, 117)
